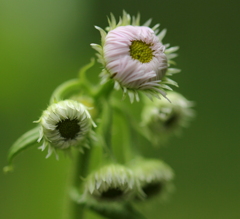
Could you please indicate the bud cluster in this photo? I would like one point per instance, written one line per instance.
(135, 60)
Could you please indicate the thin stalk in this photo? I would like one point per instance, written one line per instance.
(65, 89)
(74, 85)
(72, 209)
(124, 149)
(104, 132)
(104, 91)
(82, 73)
(82, 162)
(134, 126)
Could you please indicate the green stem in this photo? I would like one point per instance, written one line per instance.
(104, 91)
(134, 126)
(82, 73)
(103, 145)
(102, 151)
(72, 209)
(81, 166)
(74, 85)
(129, 132)
(123, 146)
(99, 148)
(65, 89)
(105, 128)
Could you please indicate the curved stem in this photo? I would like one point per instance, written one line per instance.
(82, 73)
(74, 85)
(64, 90)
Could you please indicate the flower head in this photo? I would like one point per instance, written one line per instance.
(135, 57)
(112, 183)
(64, 125)
(154, 176)
(164, 119)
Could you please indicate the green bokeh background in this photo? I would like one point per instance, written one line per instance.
(43, 43)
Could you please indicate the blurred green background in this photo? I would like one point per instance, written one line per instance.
(43, 43)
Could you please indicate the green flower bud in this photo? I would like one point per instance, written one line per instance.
(154, 176)
(63, 125)
(112, 183)
(163, 119)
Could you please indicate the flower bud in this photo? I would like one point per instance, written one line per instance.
(163, 119)
(112, 183)
(64, 125)
(134, 57)
(154, 176)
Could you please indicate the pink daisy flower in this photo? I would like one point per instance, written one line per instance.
(135, 57)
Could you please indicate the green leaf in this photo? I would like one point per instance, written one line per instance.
(25, 141)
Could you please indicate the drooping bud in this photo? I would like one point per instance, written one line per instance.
(112, 183)
(154, 176)
(164, 119)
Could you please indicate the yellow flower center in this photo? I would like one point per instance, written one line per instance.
(68, 129)
(141, 51)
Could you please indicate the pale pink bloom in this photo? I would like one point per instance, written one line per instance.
(129, 72)
(135, 58)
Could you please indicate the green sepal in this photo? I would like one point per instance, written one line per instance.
(25, 141)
